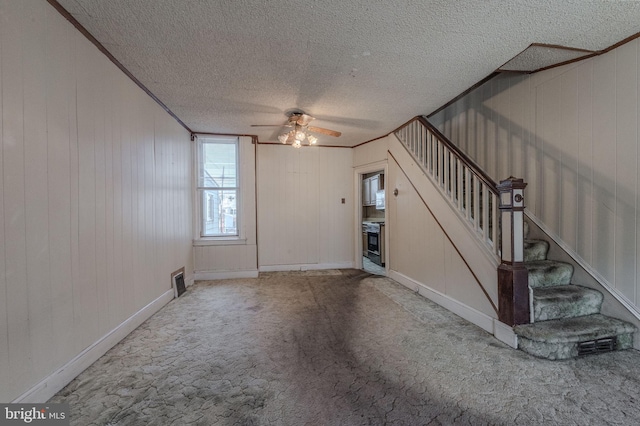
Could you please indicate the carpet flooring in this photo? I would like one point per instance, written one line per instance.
(338, 347)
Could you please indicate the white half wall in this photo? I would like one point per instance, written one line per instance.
(95, 206)
(302, 220)
(572, 133)
(427, 242)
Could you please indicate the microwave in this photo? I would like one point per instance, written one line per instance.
(380, 199)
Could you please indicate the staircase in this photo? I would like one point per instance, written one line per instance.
(566, 318)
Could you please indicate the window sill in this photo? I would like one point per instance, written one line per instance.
(219, 241)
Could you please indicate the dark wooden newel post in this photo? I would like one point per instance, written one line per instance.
(513, 286)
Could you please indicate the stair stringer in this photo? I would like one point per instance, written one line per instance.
(613, 305)
(481, 264)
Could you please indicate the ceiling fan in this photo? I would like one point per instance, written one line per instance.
(300, 132)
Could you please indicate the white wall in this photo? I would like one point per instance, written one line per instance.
(371, 152)
(572, 133)
(302, 222)
(95, 205)
(221, 259)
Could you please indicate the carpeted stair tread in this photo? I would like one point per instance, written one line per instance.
(535, 250)
(565, 301)
(572, 330)
(544, 273)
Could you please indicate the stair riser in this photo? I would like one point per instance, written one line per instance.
(564, 310)
(535, 250)
(558, 351)
(557, 273)
(559, 302)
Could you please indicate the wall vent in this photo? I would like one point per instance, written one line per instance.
(607, 344)
(177, 282)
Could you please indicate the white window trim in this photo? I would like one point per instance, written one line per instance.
(198, 211)
(219, 241)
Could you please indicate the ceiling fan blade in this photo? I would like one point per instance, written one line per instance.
(324, 131)
(304, 119)
(271, 125)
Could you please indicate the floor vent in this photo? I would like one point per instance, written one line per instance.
(608, 344)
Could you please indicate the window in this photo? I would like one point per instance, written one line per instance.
(218, 188)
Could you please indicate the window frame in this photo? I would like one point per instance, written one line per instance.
(199, 193)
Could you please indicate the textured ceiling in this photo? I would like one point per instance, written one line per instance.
(362, 67)
(536, 57)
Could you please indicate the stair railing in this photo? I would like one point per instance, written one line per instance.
(484, 206)
(467, 188)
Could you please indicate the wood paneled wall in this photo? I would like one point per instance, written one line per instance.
(371, 152)
(572, 133)
(95, 195)
(301, 218)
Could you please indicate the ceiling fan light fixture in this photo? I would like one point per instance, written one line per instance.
(299, 124)
(297, 136)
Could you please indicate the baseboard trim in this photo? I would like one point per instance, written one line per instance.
(306, 267)
(189, 280)
(470, 314)
(57, 380)
(505, 334)
(223, 275)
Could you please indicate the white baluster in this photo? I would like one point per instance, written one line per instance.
(451, 172)
(496, 224)
(422, 144)
(431, 153)
(485, 213)
(459, 171)
(476, 203)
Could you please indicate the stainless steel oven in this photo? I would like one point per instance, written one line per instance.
(375, 242)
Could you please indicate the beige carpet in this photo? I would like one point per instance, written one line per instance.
(337, 348)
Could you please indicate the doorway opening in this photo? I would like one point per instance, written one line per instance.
(372, 219)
